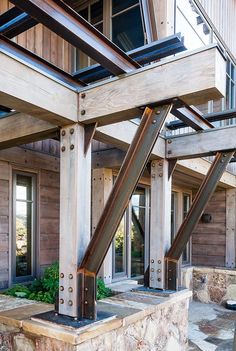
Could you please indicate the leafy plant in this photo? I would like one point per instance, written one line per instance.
(46, 288)
(102, 290)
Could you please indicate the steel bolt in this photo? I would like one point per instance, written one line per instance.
(152, 261)
(152, 270)
(70, 289)
(72, 147)
(70, 276)
(61, 301)
(63, 148)
(86, 289)
(153, 164)
(70, 303)
(75, 318)
(159, 270)
(169, 141)
(83, 112)
(63, 133)
(61, 288)
(83, 95)
(169, 152)
(159, 261)
(72, 131)
(85, 302)
(62, 275)
(160, 175)
(154, 121)
(158, 112)
(159, 279)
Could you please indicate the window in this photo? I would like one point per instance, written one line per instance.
(24, 213)
(180, 204)
(191, 24)
(119, 20)
(132, 238)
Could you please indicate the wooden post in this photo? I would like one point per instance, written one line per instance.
(164, 15)
(160, 220)
(101, 188)
(75, 201)
(230, 228)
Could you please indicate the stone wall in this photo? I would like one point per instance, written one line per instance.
(213, 285)
(140, 321)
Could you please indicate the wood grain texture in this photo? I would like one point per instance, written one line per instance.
(209, 239)
(195, 77)
(29, 91)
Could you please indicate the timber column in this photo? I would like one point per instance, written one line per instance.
(75, 201)
(101, 188)
(160, 222)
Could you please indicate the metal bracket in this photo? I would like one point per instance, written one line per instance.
(87, 288)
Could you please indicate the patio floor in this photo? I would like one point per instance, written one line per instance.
(211, 327)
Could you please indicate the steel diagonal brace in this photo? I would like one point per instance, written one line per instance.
(130, 172)
(200, 201)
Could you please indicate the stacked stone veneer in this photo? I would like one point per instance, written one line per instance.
(214, 285)
(144, 323)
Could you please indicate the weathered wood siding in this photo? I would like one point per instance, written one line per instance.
(44, 43)
(209, 239)
(4, 223)
(223, 14)
(49, 217)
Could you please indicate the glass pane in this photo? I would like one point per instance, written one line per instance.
(127, 30)
(23, 238)
(138, 198)
(120, 248)
(97, 12)
(137, 241)
(191, 25)
(119, 5)
(173, 215)
(23, 187)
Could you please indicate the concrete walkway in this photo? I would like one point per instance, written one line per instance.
(211, 327)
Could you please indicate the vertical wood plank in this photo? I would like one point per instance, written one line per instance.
(101, 188)
(160, 220)
(230, 228)
(75, 203)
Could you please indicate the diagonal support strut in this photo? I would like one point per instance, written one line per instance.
(199, 203)
(130, 172)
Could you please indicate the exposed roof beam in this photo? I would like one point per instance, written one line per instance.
(145, 54)
(19, 128)
(68, 24)
(195, 77)
(14, 22)
(206, 143)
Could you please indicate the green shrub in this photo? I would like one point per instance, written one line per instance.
(46, 288)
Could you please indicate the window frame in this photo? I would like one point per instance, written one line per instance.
(14, 278)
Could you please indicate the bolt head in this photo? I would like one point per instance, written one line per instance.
(70, 303)
(61, 301)
(152, 261)
(72, 147)
(83, 95)
(62, 275)
(83, 112)
(63, 133)
(159, 261)
(70, 276)
(70, 289)
(154, 121)
(61, 288)
(72, 131)
(63, 148)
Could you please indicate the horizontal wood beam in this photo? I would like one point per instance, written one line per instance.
(33, 92)
(121, 135)
(19, 128)
(206, 143)
(195, 77)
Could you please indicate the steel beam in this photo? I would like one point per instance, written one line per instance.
(14, 21)
(192, 117)
(210, 117)
(144, 54)
(199, 203)
(68, 24)
(130, 172)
